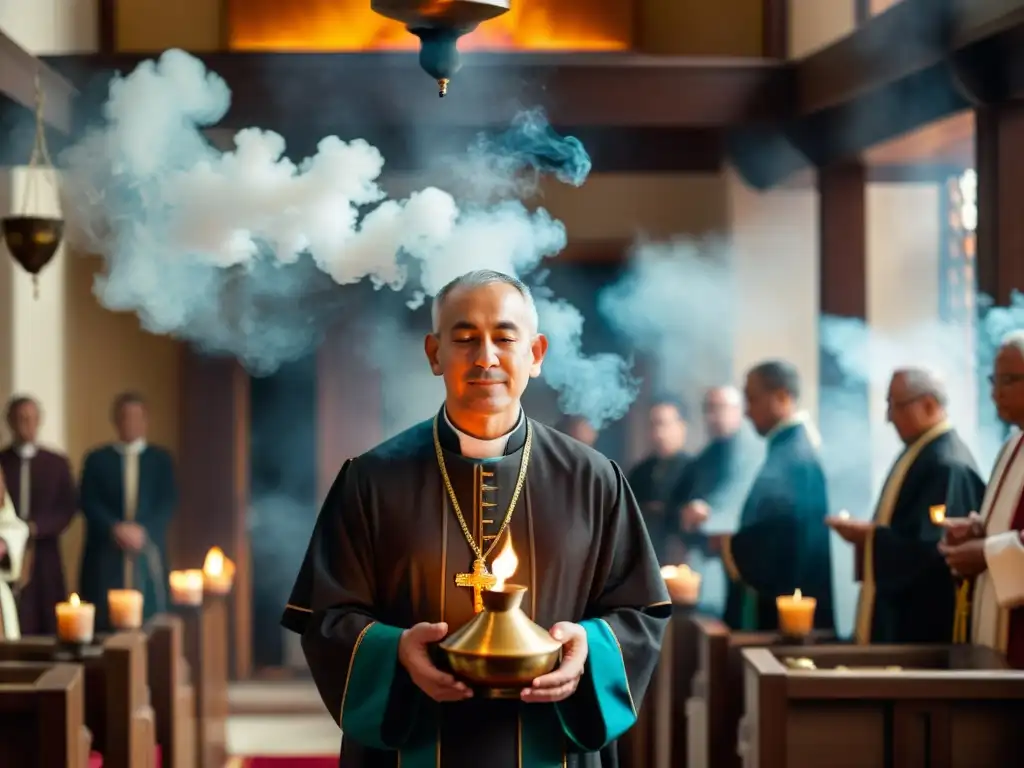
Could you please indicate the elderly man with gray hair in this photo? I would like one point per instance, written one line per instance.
(907, 593)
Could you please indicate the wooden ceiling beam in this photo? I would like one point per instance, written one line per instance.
(18, 72)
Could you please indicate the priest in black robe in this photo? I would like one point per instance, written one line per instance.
(782, 543)
(907, 593)
(655, 478)
(406, 522)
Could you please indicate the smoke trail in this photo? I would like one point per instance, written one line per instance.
(241, 252)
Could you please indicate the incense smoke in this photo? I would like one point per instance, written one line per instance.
(243, 252)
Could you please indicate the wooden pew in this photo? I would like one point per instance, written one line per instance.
(117, 709)
(206, 650)
(171, 692)
(716, 705)
(42, 716)
(659, 738)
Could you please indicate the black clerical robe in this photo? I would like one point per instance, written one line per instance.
(782, 543)
(384, 556)
(102, 497)
(907, 592)
(652, 481)
(52, 502)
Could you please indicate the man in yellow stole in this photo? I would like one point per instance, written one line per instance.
(907, 594)
(989, 548)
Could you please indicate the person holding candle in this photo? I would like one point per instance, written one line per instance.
(43, 491)
(988, 548)
(14, 534)
(128, 495)
(782, 543)
(907, 594)
(403, 546)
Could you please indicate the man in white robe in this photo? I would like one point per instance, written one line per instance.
(989, 547)
(14, 534)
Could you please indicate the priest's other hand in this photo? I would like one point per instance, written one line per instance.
(3, 550)
(961, 529)
(966, 559)
(412, 653)
(695, 514)
(561, 683)
(854, 531)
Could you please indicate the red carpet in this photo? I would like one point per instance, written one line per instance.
(284, 761)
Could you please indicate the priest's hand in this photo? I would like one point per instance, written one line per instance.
(967, 559)
(854, 531)
(695, 514)
(412, 653)
(3, 550)
(130, 536)
(561, 683)
(961, 529)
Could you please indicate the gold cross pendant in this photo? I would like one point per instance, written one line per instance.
(478, 580)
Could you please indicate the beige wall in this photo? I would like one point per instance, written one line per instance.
(813, 24)
(154, 25)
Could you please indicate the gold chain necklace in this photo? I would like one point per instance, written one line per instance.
(481, 579)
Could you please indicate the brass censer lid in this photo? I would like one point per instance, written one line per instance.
(33, 239)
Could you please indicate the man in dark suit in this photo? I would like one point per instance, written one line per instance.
(128, 496)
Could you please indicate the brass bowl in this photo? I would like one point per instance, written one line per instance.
(32, 240)
(501, 651)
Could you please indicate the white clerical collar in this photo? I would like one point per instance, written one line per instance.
(798, 419)
(135, 446)
(475, 448)
(26, 450)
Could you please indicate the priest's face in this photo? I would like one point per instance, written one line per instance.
(668, 429)
(24, 422)
(765, 407)
(486, 348)
(1008, 385)
(130, 421)
(910, 413)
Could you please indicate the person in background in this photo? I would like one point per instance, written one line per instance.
(783, 542)
(578, 428)
(907, 594)
(128, 497)
(655, 477)
(42, 490)
(710, 494)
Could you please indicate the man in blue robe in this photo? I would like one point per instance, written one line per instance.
(128, 495)
(408, 521)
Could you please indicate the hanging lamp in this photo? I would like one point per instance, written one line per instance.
(33, 239)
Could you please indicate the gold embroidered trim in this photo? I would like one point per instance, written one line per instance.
(625, 672)
(351, 663)
(866, 599)
(298, 608)
(728, 560)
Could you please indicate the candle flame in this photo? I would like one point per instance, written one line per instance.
(675, 571)
(843, 515)
(504, 565)
(74, 599)
(798, 595)
(938, 513)
(214, 563)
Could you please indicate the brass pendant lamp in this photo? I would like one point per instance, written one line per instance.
(33, 239)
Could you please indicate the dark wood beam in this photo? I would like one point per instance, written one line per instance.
(19, 71)
(919, 61)
(348, 91)
(775, 29)
(106, 25)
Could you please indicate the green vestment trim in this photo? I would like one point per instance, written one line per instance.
(749, 614)
(370, 679)
(605, 677)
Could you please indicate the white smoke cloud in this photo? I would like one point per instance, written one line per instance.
(238, 251)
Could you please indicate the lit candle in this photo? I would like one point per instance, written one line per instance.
(186, 587)
(682, 582)
(796, 614)
(504, 565)
(218, 572)
(937, 514)
(843, 515)
(76, 621)
(125, 608)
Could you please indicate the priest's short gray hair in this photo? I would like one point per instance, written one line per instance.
(477, 279)
(1013, 339)
(922, 382)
